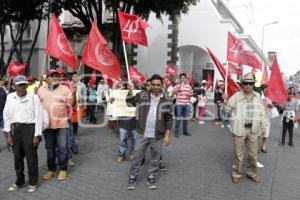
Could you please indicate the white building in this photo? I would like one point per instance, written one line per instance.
(184, 43)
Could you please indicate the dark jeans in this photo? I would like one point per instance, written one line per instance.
(91, 109)
(75, 127)
(23, 147)
(181, 111)
(57, 139)
(72, 146)
(287, 126)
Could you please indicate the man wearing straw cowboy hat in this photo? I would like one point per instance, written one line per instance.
(248, 117)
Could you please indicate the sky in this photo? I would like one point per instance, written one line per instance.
(283, 37)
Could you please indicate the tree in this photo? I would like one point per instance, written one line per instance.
(17, 18)
(88, 10)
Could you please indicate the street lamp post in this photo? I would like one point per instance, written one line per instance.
(262, 39)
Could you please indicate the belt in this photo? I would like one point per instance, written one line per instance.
(248, 125)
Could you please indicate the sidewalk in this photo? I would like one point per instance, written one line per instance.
(199, 168)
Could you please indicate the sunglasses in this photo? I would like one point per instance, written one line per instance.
(248, 83)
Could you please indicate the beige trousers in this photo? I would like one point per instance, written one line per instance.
(250, 141)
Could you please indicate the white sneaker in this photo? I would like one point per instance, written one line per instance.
(259, 165)
(222, 126)
(71, 163)
(32, 188)
(201, 122)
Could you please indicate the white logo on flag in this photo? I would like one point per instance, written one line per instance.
(237, 48)
(103, 55)
(131, 27)
(63, 45)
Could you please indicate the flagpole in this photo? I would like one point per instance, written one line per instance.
(126, 60)
(226, 78)
(79, 68)
(44, 64)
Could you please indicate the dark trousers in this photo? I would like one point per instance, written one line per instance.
(56, 143)
(91, 108)
(195, 105)
(23, 147)
(287, 126)
(75, 127)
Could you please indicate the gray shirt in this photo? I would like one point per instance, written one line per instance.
(151, 118)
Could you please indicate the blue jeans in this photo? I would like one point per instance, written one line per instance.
(123, 141)
(181, 111)
(72, 146)
(56, 139)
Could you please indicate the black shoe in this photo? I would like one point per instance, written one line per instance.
(131, 183)
(151, 182)
(176, 135)
(162, 167)
(281, 144)
(263, 150)
(291, 145)
(187, 134)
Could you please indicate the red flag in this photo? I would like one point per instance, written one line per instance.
(133, 29)
(249, 58)
(234, 48)
(15, 69)
(235, 69)
(265, 76)
(58, 45)
(209, 81)
(232, 87)
(171, 70)
(167, 80)
(237, 53)
(98, 56)
(93, 78)
(136, 75)
(276, 90)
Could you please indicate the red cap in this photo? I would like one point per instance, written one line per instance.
(30, 78)
(51, 71)
(61, 71)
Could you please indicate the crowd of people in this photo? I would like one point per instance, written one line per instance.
(51, 110)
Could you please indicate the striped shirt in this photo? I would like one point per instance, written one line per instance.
(184, 93)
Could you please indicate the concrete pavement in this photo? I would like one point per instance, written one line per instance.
(199, 168)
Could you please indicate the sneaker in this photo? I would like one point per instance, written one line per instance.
(62, 175)
(131, 183)
(49, 174)
(291, 145)
(259, 165)
(13, 188)
(151, 182)
(71, 163)
(120, 159)
(32, 188)
(162, 167)
(201, 122)
(222, 126)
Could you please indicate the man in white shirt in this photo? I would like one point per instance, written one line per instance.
(23, 120)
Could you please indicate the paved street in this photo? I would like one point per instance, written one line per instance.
(199, 169)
